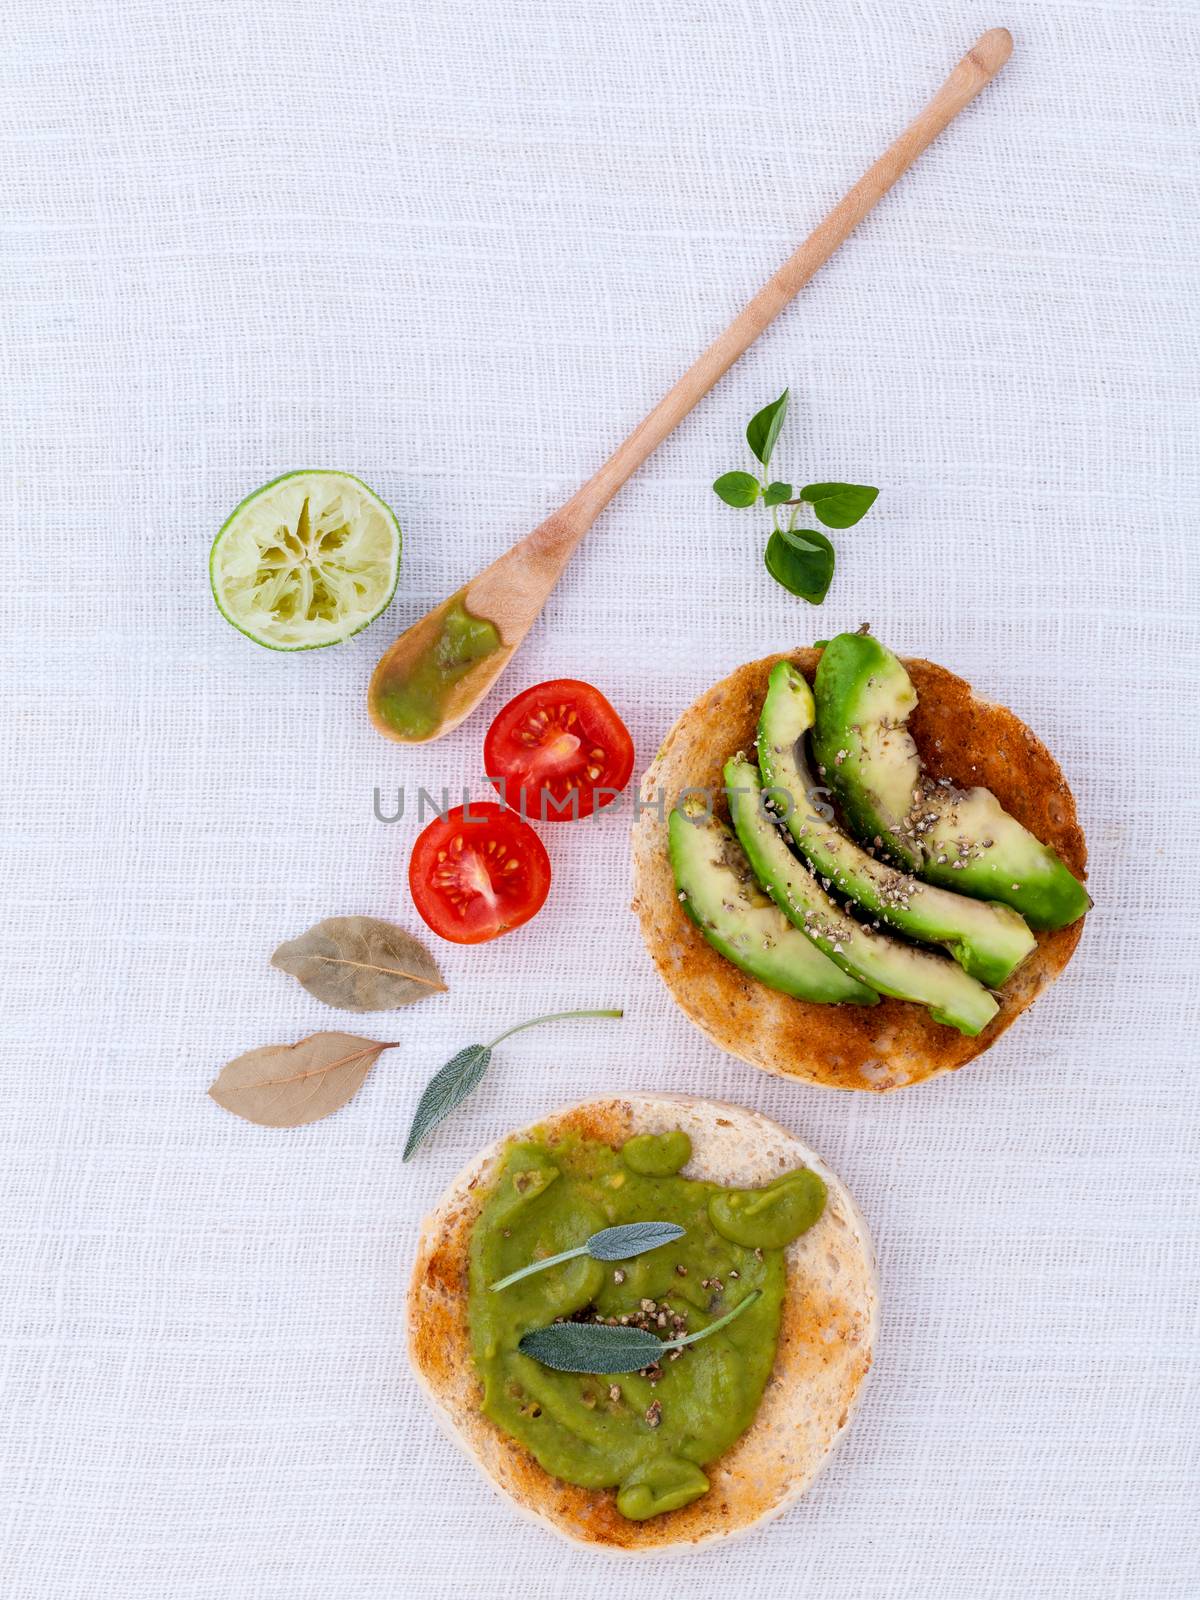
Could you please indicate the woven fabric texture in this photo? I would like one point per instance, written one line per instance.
(458, 249)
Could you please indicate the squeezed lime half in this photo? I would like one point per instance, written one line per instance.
(306, 561)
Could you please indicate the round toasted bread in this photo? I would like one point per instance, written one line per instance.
(826, 1338)
(895, 1043)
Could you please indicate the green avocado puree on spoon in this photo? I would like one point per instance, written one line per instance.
(647, 1434)
(415, 704)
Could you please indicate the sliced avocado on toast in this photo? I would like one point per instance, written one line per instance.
(989, 941)
(893, 968)
(962, 839)
(720, 894)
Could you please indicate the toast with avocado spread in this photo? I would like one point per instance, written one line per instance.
(764, 1300)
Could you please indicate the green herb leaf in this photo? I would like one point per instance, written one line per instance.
(839, 505)
(763, 429)
(610, 1244)
(448, 1088)
(776, 493)
(737, 488)
(598, 1347)
(631, 1239)
(463, 1073)
(802, 561)
(592, 1347)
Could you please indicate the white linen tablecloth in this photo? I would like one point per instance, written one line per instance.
(458, 248)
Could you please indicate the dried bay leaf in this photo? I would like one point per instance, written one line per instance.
(360, 964)
(287, 1085)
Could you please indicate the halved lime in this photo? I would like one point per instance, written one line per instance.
(306, 561)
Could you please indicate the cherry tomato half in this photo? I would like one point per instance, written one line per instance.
(558, 751)
(478, 872)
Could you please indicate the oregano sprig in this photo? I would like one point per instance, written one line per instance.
(599, 1347)
(626, 1240)
(801, 559)
(462, 1075)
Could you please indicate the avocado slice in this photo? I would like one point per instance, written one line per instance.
(861, 742)
(960, 838)
(893, 968)
(719, 892)
(987, 941)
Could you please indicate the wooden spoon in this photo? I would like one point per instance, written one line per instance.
(512, 591)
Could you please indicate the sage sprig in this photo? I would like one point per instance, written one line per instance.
(463, 1074)
(801, 560)
(621, 1243)
(599, 1347)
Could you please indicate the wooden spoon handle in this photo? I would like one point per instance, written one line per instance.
(514, 588)
(976, 69)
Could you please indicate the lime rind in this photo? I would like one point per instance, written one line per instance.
(306, 561)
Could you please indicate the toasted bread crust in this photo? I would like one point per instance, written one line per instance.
(876, 1048)
(826, 1340)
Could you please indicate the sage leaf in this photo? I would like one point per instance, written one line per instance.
(448, 1088)
(775, 494)
(763, 429)
(463, 1073)
(621, 1243)
(631, 1239)
(361, 964)
(287, 1085)
(598, 1347)
(737, 488)
(591, 1347)
(839, 505)
(802, 561)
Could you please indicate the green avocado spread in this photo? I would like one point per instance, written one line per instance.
(647, 1434)
(415, 704)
